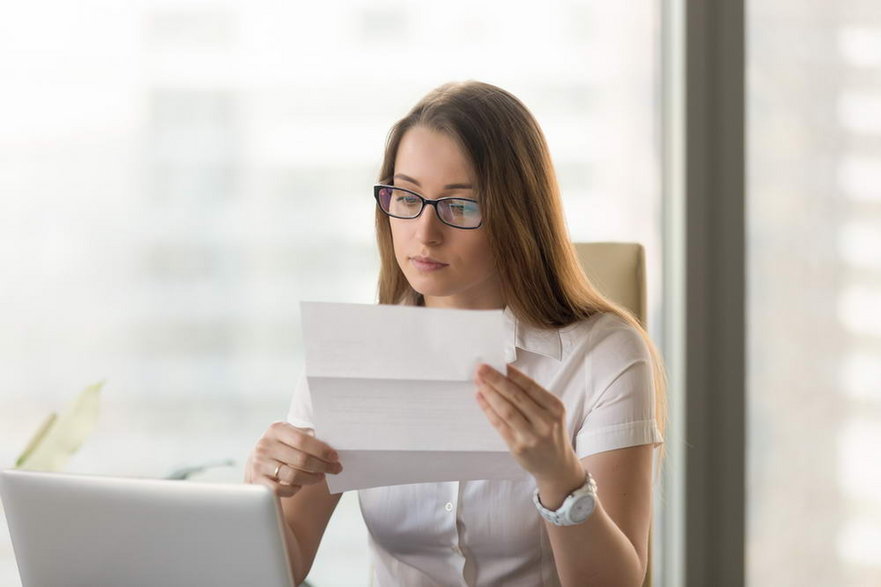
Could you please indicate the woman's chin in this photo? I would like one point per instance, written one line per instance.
(430, 288)
(433, 292)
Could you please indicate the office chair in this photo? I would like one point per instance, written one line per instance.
(617, 270)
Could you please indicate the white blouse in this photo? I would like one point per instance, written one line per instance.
(489, 532)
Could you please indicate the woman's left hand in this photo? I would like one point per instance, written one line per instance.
(532, 421)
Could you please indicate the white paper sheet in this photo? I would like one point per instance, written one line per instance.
(392, 391)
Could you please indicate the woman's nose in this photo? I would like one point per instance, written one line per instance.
(429, 228)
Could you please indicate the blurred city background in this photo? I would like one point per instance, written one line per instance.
(175, 177)
(813, 239)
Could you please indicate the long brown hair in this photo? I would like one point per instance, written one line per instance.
(542, 281)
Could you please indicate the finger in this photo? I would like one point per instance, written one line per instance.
(300, 438)
(506, 410)
(512, 392)
(279, 489)
(497, 422)
(288, 475)
(536, 392)
(298, 459)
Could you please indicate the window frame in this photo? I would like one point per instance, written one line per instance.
(701, 526)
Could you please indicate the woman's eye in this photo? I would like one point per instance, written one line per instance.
(460, 209)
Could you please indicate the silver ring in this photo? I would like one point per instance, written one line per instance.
(277, 469)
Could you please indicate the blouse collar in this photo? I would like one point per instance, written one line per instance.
(543, 341)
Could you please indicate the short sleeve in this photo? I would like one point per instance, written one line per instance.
(620, 411)
(300, 412)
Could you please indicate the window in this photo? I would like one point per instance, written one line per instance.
(165, 182)
(814, 299)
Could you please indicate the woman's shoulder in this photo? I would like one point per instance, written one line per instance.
(607, 331)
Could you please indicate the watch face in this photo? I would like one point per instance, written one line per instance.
(582, 508)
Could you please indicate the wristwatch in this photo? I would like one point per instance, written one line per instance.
(576, 508)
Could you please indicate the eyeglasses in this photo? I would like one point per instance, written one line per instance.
(403, 203)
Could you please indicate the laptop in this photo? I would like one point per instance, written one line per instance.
(97, 531)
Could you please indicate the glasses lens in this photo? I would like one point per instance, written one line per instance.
(400, 203)
(460, 212)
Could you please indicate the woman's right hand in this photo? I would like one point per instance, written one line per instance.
(298, 457)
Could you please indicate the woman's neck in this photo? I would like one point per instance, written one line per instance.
(455, 302)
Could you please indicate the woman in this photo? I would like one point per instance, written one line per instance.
(579, 407)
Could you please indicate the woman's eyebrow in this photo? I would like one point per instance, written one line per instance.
(451, 186)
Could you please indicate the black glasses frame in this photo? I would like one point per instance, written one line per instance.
(380, 186)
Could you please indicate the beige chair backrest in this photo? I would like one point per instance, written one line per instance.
(618, 271)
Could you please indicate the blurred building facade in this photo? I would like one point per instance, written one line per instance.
(177, 176)
(814, 293)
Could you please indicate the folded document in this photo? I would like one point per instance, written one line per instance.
(393, 392)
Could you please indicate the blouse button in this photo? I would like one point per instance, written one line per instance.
(448, 507)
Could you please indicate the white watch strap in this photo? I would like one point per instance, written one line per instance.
(560, 516)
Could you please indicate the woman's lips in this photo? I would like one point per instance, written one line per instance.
(426, 264)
